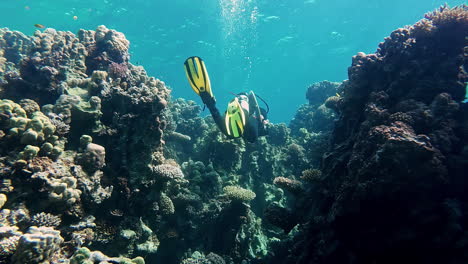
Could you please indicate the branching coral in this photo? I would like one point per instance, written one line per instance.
(45, 219)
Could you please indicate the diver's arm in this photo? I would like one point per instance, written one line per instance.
(210, 102)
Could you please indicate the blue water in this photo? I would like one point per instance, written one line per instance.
(275, 47)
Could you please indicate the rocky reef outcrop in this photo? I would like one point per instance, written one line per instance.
(392, 185)
(80, 130)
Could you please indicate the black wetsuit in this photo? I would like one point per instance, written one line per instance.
(254, 126)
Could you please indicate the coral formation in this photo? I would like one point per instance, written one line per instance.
(45, 219)
(38, 245)
(96, 159)
(391, 186)
(291, 185)
(236, 193)
(84, 256)
(65, 100)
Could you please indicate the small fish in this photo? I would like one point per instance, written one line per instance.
(75, 17)
(27, 8)
(39, 25)
(271, 18)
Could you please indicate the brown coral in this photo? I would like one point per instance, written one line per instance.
(311, 175)
(290, 185)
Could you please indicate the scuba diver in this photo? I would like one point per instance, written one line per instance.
(243, 117)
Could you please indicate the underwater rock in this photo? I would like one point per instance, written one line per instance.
(93, 158)
(280, 217)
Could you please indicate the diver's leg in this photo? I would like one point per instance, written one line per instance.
(217, 117)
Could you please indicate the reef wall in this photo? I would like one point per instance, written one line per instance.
(393, 185)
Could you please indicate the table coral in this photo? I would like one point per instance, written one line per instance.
(237, 193)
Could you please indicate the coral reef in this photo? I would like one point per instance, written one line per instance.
(65, 100)
(96, 159)
(216, 168)
(391, 188)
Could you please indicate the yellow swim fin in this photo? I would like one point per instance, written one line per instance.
(197, 76)
(235, 119)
